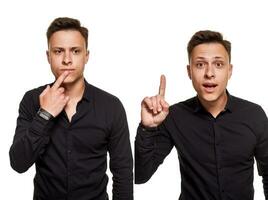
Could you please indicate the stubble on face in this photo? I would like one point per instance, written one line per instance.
(67, 52)
(210, 70)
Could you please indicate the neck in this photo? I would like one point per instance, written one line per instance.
(215, 107)
(75, 90)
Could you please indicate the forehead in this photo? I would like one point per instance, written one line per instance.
(67, 38)
(209, 51)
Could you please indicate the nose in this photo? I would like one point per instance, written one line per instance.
(210, 71)
(67, 59)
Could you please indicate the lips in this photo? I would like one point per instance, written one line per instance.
(68, 70)
(209, 87)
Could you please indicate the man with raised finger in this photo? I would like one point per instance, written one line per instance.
(66, 128)
(217, 135)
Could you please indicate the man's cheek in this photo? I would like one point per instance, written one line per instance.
(55, 72)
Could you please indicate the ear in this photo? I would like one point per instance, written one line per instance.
(87, 56)
(230, 71)
(189, 72)
(48, 57)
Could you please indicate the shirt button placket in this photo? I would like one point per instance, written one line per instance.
(69, 152)
(218, 156)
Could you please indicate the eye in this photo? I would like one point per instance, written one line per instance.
(57, 51)
(219, 64)
(200, 65)
(76, 51)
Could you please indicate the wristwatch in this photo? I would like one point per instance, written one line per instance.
(44, 114)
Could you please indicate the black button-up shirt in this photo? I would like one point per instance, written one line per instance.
(71, 157)
(216, 154)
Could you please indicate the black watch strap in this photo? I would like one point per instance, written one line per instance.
(149, 129)
(44, 114)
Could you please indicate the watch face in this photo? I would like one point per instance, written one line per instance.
(41, 114)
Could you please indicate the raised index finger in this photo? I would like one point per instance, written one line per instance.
(60, 79)
(162, 87)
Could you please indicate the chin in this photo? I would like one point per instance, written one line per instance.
(69, 80)
(72, 80)
(209, 97)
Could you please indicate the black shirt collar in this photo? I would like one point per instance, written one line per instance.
(228, 107)
(87, 92)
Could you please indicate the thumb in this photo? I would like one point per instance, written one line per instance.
(165, 105)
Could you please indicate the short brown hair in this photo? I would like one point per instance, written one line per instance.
(207, 36)
(66, 23)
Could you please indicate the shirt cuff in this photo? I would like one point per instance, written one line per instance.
(147, 132)
(148, 129)
(40, 126)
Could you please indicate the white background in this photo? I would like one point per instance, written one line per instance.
(132, 43)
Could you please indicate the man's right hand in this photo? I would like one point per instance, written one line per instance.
(53, 99)
(155, 109)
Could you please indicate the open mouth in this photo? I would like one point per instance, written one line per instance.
(209, 87)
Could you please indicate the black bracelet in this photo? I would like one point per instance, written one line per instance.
(149, 129)
(44, 114)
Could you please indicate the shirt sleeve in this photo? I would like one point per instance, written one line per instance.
(31, 136)
(121, 161)
(265, 186)
(261, 150)
(152, 145)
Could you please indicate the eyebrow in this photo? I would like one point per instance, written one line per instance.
(57, 48)
(61, 48)
(218, 57)
(72, 48)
